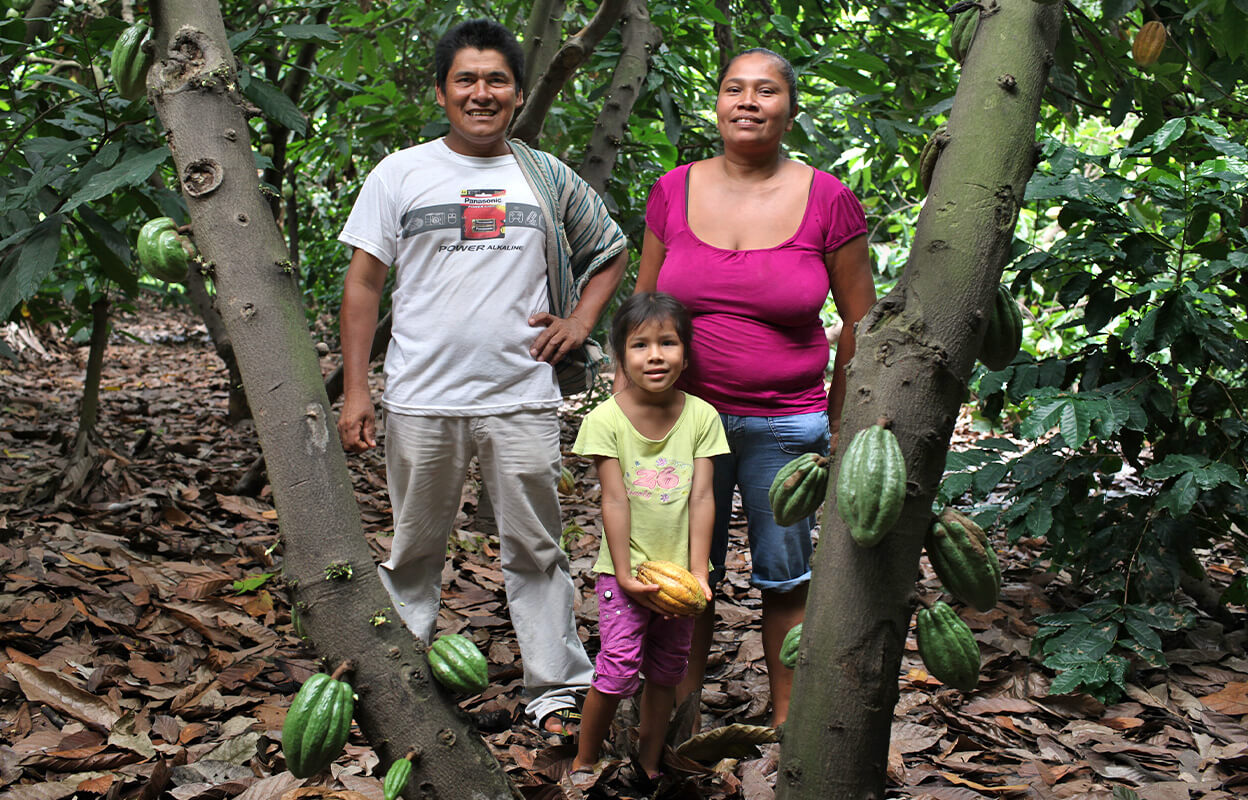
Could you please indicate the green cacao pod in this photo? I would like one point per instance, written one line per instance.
(317, 724)
(396, 778)
(1005, 332)
(963, 33)
(458, 664)
(871, 487)
(964, 561)
(930, 153)
(679, 592)
(798, 488)
(947, 646)
(1148, 44)
(130, 62)
(788, 648)
(164, 252)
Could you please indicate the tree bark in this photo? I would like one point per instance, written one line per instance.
(201, 301)
(193, 89)
(528, 124)
(541, 37)
(915, 352)
(252, 481)
(640, 38)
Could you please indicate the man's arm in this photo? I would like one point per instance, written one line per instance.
(564, 334)
(361, 298)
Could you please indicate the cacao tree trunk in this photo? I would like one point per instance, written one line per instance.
(193, 88)
(202, 302)
(915, 352)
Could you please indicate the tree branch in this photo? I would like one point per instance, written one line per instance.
(528, 125)
(541, 37)
(640, 38)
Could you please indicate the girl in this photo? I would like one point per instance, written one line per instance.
(652, 445)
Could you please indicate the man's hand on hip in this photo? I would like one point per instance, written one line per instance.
(561, 336)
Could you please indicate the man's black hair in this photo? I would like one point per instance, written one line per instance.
(480, 34)
(782, 64)
(643, 307)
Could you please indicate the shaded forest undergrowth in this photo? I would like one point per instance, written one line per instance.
(148, 648)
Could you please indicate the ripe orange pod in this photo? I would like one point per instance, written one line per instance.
(1148, 43)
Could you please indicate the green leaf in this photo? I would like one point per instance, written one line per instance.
(252, 582)
(276, 105)
(95, 229)
(130, 172)
(34, 261)
(304, 33)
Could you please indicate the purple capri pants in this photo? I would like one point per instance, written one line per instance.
(635, 640)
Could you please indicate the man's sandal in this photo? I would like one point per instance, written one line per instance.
(567, 715)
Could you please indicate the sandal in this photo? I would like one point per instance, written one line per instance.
(567, 715)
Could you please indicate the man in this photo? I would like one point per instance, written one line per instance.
(504, 260)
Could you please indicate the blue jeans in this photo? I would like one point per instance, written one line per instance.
(760, 447)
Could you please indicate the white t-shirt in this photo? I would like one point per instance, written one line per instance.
(468, 242)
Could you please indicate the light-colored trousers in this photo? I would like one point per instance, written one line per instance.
(426, 463)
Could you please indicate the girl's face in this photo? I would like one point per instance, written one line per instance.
(753, 106)
(654, 356)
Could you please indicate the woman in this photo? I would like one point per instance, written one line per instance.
(752, 242)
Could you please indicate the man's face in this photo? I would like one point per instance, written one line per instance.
(480, 98)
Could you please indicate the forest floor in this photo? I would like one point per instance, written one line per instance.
(148, 649)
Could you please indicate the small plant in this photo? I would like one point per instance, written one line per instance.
(338, 571)
(379, 617)
(1091, 648)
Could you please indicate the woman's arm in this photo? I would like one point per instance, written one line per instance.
(853, 291)
(617, 530)
(701, 521)
(653, 251)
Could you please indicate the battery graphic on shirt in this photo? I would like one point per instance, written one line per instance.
(483, 212)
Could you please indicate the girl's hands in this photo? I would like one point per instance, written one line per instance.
(641, 593)
(705, 583)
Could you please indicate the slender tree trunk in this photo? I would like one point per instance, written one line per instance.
(252, 480)
(400, 706)
(640, 38)
(201, 301)
(81, 460)
(915, 352)
(528, 123)
(541, 37)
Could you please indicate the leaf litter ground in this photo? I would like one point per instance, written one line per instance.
(148, 649)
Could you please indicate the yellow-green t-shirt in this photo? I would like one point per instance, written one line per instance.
(658, 475)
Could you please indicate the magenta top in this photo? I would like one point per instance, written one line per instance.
(758, 344)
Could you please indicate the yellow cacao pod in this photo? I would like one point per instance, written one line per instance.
(679, 592)
(1148, 44)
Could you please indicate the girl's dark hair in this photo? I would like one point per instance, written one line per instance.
(782, 64)
(480, 34)
(645, 307)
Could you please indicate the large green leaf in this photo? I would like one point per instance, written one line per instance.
(129, 172)
(35, 259)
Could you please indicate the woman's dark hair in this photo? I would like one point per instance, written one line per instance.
(782, 64)
(480, 34)
(645, 307)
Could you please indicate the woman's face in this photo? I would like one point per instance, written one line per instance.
(753, 106)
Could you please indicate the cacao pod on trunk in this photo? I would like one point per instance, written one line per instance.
(317, 724)
(871, 486)
(1005, 332)
(966, 564)
(947, 646)
(798, 488)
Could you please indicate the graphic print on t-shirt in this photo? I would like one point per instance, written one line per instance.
(664, 480)
(480, 214)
